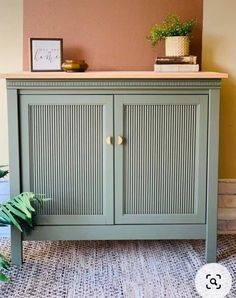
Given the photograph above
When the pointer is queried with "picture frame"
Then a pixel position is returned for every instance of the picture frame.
(46, 54)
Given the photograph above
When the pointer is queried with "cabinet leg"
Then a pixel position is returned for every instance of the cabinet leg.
(211, 248)
(16, 247)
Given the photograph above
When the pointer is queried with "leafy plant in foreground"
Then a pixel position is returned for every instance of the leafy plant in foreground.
(17, 212)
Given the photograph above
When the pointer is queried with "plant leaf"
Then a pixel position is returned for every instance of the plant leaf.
(3, 217)
(3, 173)
(11, 218)
(16, 211)
(5, 265)
(27, 197)
(4, 262)
(17, 202)
(4, 277)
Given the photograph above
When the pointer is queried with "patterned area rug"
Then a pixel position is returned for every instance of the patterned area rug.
(136, 269)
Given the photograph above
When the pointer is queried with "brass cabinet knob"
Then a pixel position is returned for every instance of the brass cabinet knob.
(109, 140)
(120, 140)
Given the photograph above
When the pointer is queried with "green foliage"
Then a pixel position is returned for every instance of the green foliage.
(5, 265)
(171, 26)
(17, 212)
(3, 173)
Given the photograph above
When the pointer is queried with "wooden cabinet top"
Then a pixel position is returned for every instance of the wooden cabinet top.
(26, 75)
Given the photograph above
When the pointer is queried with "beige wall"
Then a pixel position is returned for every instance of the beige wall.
(219, 54)
(11, 37)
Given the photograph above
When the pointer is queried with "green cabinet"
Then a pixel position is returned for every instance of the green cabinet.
(120, 158)
(160, 162)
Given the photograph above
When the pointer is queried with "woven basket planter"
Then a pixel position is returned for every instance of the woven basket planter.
(177, 46)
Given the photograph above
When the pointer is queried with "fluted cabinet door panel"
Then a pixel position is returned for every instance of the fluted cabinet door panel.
(68, 156)
(165, 140)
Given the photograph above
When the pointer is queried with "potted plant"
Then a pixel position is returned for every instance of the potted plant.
(176, 34)
(17, 212)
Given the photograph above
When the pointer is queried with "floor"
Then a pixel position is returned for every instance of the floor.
(130, 269)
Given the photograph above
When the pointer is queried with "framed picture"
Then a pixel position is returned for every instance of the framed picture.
(46, 54)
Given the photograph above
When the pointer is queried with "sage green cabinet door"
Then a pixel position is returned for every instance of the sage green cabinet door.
(65, 156)
(160, 169)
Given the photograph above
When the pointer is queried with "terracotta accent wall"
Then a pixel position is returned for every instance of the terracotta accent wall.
(108, 34)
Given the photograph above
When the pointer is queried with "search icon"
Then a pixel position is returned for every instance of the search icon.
(213, 281)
